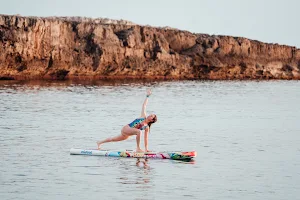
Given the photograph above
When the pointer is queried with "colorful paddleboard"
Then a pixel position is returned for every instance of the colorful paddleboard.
(176, 155)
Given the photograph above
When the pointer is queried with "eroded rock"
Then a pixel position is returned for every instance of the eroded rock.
(76, 47)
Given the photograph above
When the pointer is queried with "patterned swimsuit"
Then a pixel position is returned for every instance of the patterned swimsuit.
(138, 123)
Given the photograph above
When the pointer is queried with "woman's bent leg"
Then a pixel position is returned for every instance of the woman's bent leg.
(133, 131)
(112, 139)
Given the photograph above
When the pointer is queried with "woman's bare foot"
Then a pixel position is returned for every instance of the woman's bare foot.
(98, 145)
(139, 150)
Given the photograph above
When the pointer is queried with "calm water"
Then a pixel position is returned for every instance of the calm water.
(247, 135)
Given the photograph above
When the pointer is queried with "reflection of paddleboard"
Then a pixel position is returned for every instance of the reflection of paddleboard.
(175, 155)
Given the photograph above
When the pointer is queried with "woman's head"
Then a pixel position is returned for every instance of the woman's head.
(151, 119)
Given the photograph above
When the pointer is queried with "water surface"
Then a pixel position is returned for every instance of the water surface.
(246, 133)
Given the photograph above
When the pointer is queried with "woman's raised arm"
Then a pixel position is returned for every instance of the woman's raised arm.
(143, 114)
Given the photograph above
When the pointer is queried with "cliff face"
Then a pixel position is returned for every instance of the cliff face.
(62, 48)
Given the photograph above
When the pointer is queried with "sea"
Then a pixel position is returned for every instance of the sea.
(246, 134)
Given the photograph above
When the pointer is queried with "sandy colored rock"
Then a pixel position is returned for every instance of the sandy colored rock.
(85, 48)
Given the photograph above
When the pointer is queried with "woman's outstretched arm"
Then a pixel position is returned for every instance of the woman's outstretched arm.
(146, 139)
(143, 114)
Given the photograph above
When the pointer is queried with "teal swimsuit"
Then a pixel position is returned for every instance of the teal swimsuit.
(138, 123)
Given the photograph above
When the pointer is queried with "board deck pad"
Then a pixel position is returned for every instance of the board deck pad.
(174, 155)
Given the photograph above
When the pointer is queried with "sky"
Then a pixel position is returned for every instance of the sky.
(271, 21)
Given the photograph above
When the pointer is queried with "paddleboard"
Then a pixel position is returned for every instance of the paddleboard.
(174, 155)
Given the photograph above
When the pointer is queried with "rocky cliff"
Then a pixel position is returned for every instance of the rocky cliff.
(70, 48)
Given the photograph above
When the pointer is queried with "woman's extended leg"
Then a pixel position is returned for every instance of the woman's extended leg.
(112, 139)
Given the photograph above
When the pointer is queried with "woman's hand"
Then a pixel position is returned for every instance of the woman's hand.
(149, 92)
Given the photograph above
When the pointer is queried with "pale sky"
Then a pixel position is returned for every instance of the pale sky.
(272, 21)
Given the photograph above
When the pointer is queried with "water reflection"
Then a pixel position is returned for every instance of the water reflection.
(137, 176)
(141, 162)
(84, 83)
(143, 173)
(191, 162)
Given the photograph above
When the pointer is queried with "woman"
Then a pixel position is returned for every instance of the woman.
(135, 128)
